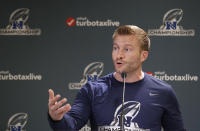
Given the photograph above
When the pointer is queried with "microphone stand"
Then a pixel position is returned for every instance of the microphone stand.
(123, 75)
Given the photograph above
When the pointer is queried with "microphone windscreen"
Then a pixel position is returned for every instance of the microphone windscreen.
(123, 75)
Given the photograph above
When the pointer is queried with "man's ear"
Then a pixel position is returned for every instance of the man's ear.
(144, 55)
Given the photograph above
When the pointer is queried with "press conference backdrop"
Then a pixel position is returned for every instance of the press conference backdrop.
(63, 44)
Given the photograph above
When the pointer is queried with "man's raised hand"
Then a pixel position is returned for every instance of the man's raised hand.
(56, 108)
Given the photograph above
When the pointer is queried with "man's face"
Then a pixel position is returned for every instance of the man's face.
(126, 54)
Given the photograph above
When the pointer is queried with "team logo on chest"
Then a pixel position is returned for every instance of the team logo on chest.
(130, 111)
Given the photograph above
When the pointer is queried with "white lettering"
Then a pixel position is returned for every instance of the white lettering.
(29, 76)
(175, 77)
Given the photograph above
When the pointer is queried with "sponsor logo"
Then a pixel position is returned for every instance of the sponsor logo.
(85, 22)
(91, 72)
(85, 128)
(150, 73)
(17, 24)
(162, 75)
(70, 21)
(171, 25)
(17, 122)
(6, 75)
(153, 94)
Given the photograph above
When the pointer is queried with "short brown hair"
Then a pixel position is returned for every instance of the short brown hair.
(134, 30)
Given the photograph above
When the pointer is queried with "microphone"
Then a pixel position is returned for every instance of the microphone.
(123, 75)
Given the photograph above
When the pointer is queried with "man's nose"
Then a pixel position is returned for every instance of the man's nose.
(120, 55)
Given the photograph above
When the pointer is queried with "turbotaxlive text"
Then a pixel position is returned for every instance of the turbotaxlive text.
(6, 75)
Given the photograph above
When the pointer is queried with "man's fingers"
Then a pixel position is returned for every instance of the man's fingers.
(54, 100)
(64, 109)
(51, 94)
(58, 104)
(56, 110)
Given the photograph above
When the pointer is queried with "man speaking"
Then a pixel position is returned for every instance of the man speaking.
(125, 100)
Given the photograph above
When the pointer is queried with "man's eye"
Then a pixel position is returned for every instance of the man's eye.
(114, 48)
(127, 49)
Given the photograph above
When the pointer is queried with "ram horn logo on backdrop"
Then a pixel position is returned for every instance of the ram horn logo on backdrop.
(171, 26)
(91, 72)
(17, 122)
(18, 24)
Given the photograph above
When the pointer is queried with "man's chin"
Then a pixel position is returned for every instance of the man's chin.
(119, 71)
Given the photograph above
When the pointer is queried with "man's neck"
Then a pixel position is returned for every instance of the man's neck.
(131, 77)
